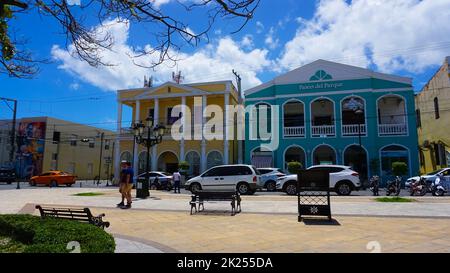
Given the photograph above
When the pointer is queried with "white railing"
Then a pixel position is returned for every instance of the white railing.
(294, 131)
(323, 131)
(352, 129)
(392, 129)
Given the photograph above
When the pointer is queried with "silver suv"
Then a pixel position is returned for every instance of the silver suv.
(243, 178)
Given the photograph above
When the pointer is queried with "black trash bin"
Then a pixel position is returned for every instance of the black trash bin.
(142, 188)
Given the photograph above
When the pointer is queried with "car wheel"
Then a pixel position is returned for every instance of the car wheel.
(68, 185)
(195, 187)
(343, 188)
(271, 186)
(53, 183)
(33, 183)
(291, 189)
(9, 183)
(153, 187)
(243, 188)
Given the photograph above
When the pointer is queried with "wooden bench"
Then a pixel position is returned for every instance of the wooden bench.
(201, 196)
(81, 215)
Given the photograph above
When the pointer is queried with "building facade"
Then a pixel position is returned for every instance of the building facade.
(159, 102)
(330, 113)
(76, 150)
(433, 121)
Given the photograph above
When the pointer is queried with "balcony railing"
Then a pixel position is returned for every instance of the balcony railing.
(392, 129)
(352, 130)
(323, 131)
(294, 131)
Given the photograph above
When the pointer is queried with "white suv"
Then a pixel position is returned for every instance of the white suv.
(243, 178)
(343, 180)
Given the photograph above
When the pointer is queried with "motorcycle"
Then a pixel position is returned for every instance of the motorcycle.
(393, 187)
(374, 185)
(437, 189)
(419, 187)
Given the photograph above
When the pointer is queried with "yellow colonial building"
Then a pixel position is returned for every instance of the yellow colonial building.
(194, 147)
(433, 121)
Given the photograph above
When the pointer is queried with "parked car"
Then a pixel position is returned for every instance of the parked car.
(269, 178)
(243, 178)
(430, 177)
(164, 181)
(343, 180)
(7, 175)
(53, 179)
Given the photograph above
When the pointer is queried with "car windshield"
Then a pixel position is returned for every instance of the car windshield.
(256, 170)
(435, 172)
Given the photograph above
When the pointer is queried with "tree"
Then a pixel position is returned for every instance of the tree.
(169, 33)
(294, 167)
(399, 168)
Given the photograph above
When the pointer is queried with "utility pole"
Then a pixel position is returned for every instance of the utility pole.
(102, 136)
(240, 102)
(13, 127)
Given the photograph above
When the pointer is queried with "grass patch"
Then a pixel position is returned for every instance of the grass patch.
(8, 245)
(31, 234)
(395, 199)
(89, 194)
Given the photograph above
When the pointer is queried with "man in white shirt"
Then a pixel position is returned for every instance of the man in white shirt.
(176, 176)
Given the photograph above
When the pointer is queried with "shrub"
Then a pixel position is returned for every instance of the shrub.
(53, 235)
(184, 165)
(399, 168)
(294, 167)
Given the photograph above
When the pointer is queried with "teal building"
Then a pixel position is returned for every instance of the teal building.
(331, 113)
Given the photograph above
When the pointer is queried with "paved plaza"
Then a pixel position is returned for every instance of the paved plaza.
(268, 222)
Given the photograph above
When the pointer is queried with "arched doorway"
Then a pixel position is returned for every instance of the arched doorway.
(168, 162)
(261, 158)
(356, 157)
(391, 154)
(194, 163)
(324, 155)
(214, 158)
(126, 156)
(142, 160)
(294, 153)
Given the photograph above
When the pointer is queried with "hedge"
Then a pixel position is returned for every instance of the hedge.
(53, 235)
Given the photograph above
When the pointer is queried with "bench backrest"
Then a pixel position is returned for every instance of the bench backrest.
(216, 194)
(82, 215)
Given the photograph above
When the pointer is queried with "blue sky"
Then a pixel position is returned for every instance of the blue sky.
(403, 37)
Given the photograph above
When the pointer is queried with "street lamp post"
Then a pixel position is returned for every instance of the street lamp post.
(359, 113)
(154, 137)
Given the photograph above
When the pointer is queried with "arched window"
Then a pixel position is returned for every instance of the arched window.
(194, 163)
(436, 108)
(213, 159)
(126, 156)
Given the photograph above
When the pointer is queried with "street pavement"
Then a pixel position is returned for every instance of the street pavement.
(268, 222)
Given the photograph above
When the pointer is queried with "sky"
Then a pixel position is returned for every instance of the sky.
(403, 37)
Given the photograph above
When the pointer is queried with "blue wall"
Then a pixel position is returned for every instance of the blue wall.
(279, 94)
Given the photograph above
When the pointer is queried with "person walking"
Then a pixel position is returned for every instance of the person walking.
(126, 184)
(176, 176)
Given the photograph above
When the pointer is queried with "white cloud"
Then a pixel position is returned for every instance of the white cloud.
(247, 41)
(392, 34)
(74, 86)
(213, 62)
(259, 27)
(271, 41)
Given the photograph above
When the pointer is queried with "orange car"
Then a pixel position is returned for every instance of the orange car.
(53, 179)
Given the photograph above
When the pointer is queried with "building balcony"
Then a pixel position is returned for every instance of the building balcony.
(353, 130)
(323, 131)
(294, 131)
(392, 129)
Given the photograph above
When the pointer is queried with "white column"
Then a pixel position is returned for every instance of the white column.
(117, 145)
(137, 118)
(226, 131)
(154, 148)
(183, 122)
(203, 144)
